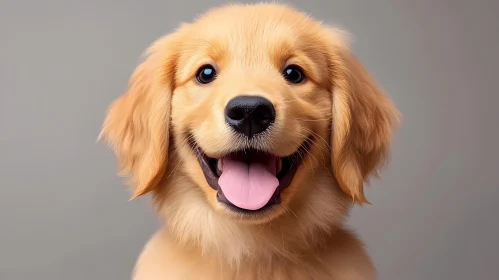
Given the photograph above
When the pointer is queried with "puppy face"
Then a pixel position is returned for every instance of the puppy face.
(249, 103)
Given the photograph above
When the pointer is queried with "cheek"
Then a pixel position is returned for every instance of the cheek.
(199, 110)
(308, 108)
(303, 113)
(190, 105)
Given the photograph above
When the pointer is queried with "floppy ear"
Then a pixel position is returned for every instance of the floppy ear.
(363, 120)
(137, 123)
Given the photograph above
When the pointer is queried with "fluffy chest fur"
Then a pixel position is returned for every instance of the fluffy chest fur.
(341, 257)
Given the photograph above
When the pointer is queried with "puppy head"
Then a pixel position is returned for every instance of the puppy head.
(251, 102)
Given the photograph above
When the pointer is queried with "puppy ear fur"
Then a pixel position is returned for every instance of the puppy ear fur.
(137, 123)
(363, 120)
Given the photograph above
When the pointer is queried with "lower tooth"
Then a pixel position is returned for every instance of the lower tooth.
(279, 166)
(220, 165)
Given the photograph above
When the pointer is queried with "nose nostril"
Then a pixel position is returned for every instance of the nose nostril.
(236, 114)
(249, 115)
(263, 113)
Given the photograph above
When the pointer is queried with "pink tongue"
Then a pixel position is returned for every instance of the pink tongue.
(249, 186)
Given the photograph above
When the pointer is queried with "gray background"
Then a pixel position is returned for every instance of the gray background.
(65, 215)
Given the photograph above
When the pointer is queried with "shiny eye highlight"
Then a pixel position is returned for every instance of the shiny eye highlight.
(206, 74)
(293, 74)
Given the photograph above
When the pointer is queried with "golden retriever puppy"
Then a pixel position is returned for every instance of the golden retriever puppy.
(254, 129)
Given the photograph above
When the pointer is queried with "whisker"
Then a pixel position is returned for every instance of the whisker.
(306, 150)
(287, 209)
(326, 143)
(174, 171)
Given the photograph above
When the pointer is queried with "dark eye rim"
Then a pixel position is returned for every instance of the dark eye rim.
(303, 77)
(199, 71)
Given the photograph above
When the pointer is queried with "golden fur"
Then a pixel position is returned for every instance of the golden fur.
(339, 104)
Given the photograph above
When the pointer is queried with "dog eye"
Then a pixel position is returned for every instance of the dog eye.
(206, 74)
(293, 74)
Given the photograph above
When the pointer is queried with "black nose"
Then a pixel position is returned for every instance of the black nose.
(249, 115)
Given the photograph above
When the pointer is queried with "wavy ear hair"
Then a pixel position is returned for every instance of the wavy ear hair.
(363, 120)
(137, 123)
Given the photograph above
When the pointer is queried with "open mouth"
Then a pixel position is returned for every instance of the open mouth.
(250, 180)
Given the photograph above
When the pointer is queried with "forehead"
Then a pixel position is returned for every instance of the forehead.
(253, 36)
